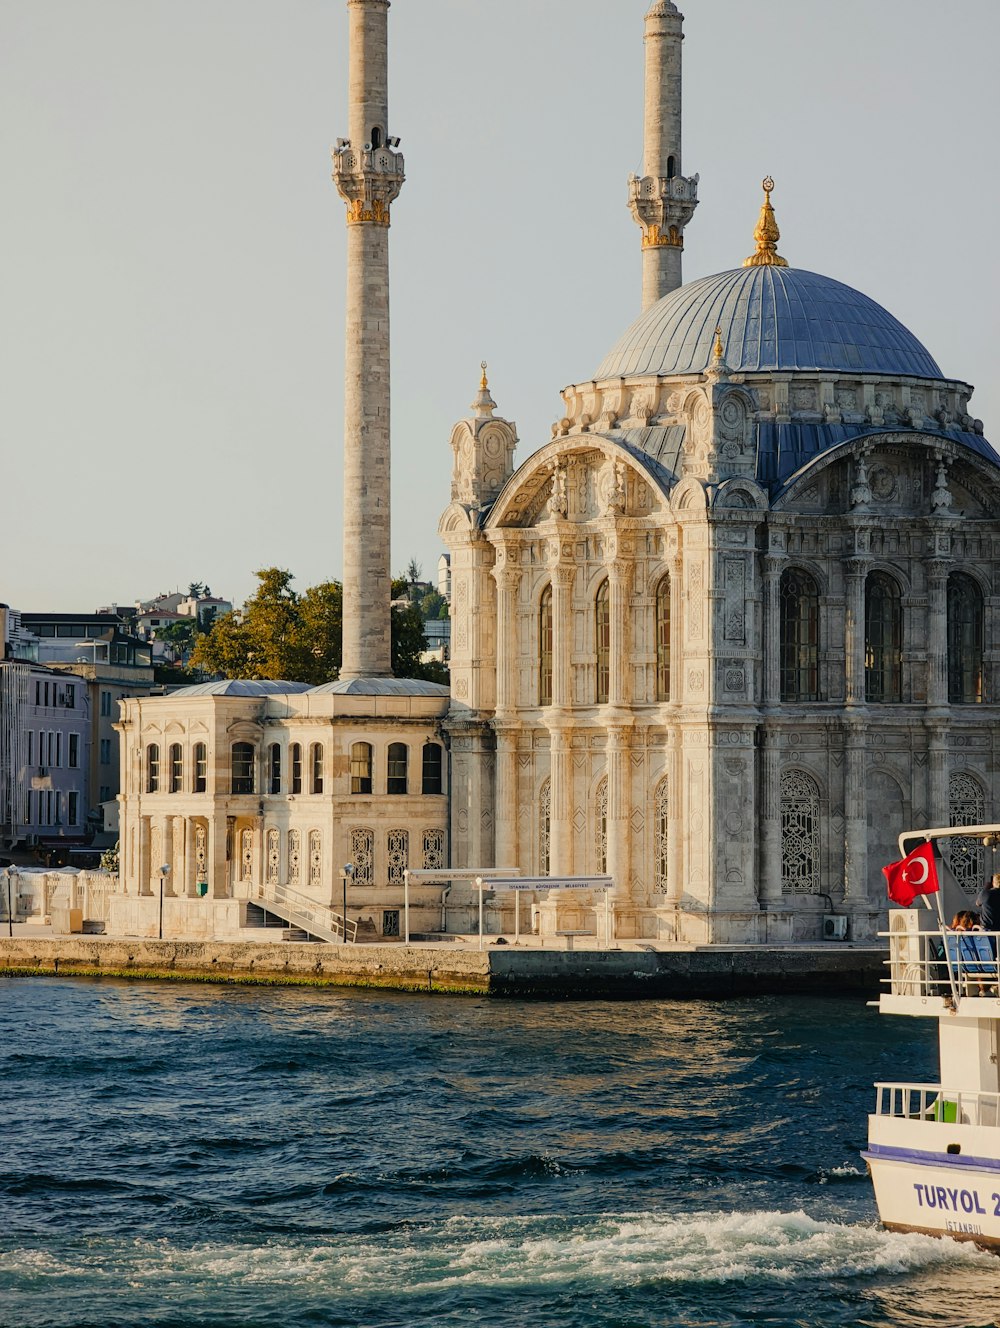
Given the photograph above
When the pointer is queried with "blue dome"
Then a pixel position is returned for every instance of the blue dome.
(772, 318)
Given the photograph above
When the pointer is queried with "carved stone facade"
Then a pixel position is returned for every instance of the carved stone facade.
(250, 789)
(808, 628)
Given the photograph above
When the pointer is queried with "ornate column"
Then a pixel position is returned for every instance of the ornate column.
(190, 858)
(561, 812)
(773, 563)
(508, 580)
(856, 570)
(506, 795)
(618, 807)
(937, 775)
(563, 576)
(619, 583)
(144, 849)
(937, 634)
(770, 793)
(856, 815)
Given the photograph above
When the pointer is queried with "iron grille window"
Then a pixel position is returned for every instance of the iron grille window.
(799, 834)
(883, 639)
(965, 640)
(799, 637)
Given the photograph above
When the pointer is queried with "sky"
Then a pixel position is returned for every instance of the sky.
(172, 290)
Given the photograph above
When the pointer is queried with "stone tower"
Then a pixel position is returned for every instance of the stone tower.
(368, 172)
(662, 200)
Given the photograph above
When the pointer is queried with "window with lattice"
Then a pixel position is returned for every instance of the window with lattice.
(246, 855)
(602, 633)
(397, 848)
(545, 647)
(294, 856)
(661, 843)
(601, 825)
(363, 856)
(799, 834)
(544, 827)
(273, 857)
(315, 858)
(966, 806)
(883, 639)
(798, 631)
(663, 640)
(433, 850)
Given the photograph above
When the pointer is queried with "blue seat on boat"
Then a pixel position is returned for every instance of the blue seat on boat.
(972, 953)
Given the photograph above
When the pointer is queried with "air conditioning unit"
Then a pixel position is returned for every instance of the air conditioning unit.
(834, 927)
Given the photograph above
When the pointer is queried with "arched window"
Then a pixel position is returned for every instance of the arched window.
(315, 856)
(316, 768)
(433, 850)
(376, 137)
(431, 781)
(663, 640)
(799, 834)
(965, 640)
(544, 827)
(361, 767)
(153, 768)
(602, 632)
(295, 767)
(274, 768)
(242, 767)
(601, 824)
(966, 806)
(176, 767)
(883, 639)
(395, 771)
(545, 647)
(294, 856)
(671, 167)
(661, 831)
(799, 636)
(200, 767)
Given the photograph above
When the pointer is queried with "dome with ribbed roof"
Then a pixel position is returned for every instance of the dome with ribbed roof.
(772, 319)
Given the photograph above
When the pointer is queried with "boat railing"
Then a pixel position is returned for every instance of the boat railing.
(937, 1102)
(949, 964)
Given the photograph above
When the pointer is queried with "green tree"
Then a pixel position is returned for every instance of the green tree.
(298, 638)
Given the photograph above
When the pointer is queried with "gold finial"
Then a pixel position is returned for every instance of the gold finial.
(718, 350)
(766, 234)
(483, 385)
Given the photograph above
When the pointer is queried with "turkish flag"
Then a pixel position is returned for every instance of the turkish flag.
(916, 874)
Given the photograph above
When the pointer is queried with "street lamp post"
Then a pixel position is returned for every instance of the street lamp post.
(345, 875)
(164, 873)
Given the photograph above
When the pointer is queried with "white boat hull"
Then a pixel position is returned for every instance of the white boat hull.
(930, 1193)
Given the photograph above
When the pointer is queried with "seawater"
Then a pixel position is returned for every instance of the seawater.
(182, 1155)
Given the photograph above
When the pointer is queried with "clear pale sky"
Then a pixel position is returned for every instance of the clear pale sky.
(171, 305)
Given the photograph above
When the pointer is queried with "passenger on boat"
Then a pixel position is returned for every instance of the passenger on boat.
(988, 903)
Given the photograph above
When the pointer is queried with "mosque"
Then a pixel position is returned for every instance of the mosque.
(721, 637)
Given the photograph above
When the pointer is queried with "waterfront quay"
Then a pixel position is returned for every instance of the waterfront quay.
(630, 971)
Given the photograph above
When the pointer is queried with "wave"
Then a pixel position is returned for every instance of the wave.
(516, 1253)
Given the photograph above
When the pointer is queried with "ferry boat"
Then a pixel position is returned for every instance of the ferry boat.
(934, 1149)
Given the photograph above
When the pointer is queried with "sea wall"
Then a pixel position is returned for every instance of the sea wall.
(696, 972)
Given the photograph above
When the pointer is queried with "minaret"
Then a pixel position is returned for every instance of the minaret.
(368, 172)
(662, 200)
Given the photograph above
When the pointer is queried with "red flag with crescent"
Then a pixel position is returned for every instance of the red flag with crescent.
(916, 874)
